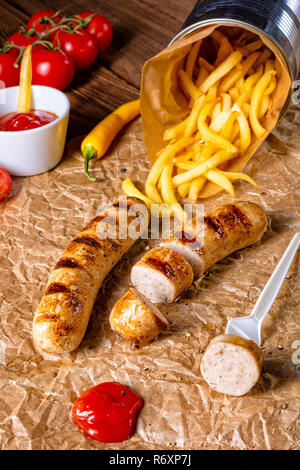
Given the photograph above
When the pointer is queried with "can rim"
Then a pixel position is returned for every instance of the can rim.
(201, 24)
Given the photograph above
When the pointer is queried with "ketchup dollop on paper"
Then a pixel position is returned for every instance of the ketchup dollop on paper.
(107, 412)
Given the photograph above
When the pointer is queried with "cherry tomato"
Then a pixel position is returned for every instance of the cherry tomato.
(52, 68)
(107, 412)
(5, 183)
(81, 46)
(100, 27)
(9, 74)
(40, 21)
(21, 39)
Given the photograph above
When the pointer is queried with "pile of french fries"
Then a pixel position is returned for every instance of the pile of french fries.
(228, 101)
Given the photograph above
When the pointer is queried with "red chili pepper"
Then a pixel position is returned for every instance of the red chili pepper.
(107, 412)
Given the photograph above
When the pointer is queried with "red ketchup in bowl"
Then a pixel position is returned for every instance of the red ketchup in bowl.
(107, 412)
(13, 122)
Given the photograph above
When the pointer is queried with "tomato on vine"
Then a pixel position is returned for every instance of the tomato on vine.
(43, 21)
(80, 45)
(9, 71)
(100, 27)
(52, 68)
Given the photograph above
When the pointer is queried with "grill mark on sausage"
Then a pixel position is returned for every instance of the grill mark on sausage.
(215, 224)
(67, 263)
(47, 317)
(189, 239)
(56, 287)
(63, 329)
(232, 217)
(88, 240)
(105, 218)
(100, 218)
(161, 266)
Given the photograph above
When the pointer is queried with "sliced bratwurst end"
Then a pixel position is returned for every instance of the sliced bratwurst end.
(185, 243)
(232, 365)
(62, 316)
(226, 229)
(136, 319)
(161, 275)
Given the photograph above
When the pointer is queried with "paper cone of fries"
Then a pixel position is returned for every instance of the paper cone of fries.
(208, 102)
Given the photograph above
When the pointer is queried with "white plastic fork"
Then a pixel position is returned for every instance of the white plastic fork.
(250, 327)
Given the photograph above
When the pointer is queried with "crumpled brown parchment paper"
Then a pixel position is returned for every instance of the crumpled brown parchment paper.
(180, 411)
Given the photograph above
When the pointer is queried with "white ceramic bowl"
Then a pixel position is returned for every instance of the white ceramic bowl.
(25, 153)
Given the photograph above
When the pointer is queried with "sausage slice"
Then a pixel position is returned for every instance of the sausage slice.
(136, 319)
(161, 275)
(232, 365)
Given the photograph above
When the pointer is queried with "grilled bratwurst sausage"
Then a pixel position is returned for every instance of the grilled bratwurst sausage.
(62, 317)
(226, 229)
(232, 365)
(161, 275)
(136, 319)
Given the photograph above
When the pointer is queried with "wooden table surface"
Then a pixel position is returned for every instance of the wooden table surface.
(142, 28)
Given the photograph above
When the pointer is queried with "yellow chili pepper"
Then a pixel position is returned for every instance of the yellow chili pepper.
(99, 139)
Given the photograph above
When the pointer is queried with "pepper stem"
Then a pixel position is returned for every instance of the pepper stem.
(89, 153)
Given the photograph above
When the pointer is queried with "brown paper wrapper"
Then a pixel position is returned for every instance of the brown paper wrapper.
(164, 106)
(180, 411)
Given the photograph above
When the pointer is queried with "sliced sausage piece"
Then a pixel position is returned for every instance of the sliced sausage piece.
(232, 365)
(161, 275)
(187, 245)
(62, 317)
(136, 319)
(226, 229)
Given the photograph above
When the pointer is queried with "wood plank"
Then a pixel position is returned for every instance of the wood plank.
(95, 96)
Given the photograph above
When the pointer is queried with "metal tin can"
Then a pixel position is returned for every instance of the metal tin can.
(277, 20)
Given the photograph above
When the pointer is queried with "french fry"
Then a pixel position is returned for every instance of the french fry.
(253, 79)
(226, 132)
(234, 93)
(255, 45)
(188, 86)
(168, 193)
(212, 162)
(250, 61)
(264, 106)
(203, 63)
(196, 187)
(256, 99)
(224, 50)
(221, 180)
(203, 74)
(183, 190)
(191, 59)
(210, 135)
(238, 176)
(131, 191)
(191, 125)
(226, 102)
(158, 166)
(224, 68)
(245, 131)
(218, 123)
(265, 55)
(24, 99)
(216, 111)
(230, 80)
(176, 131)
